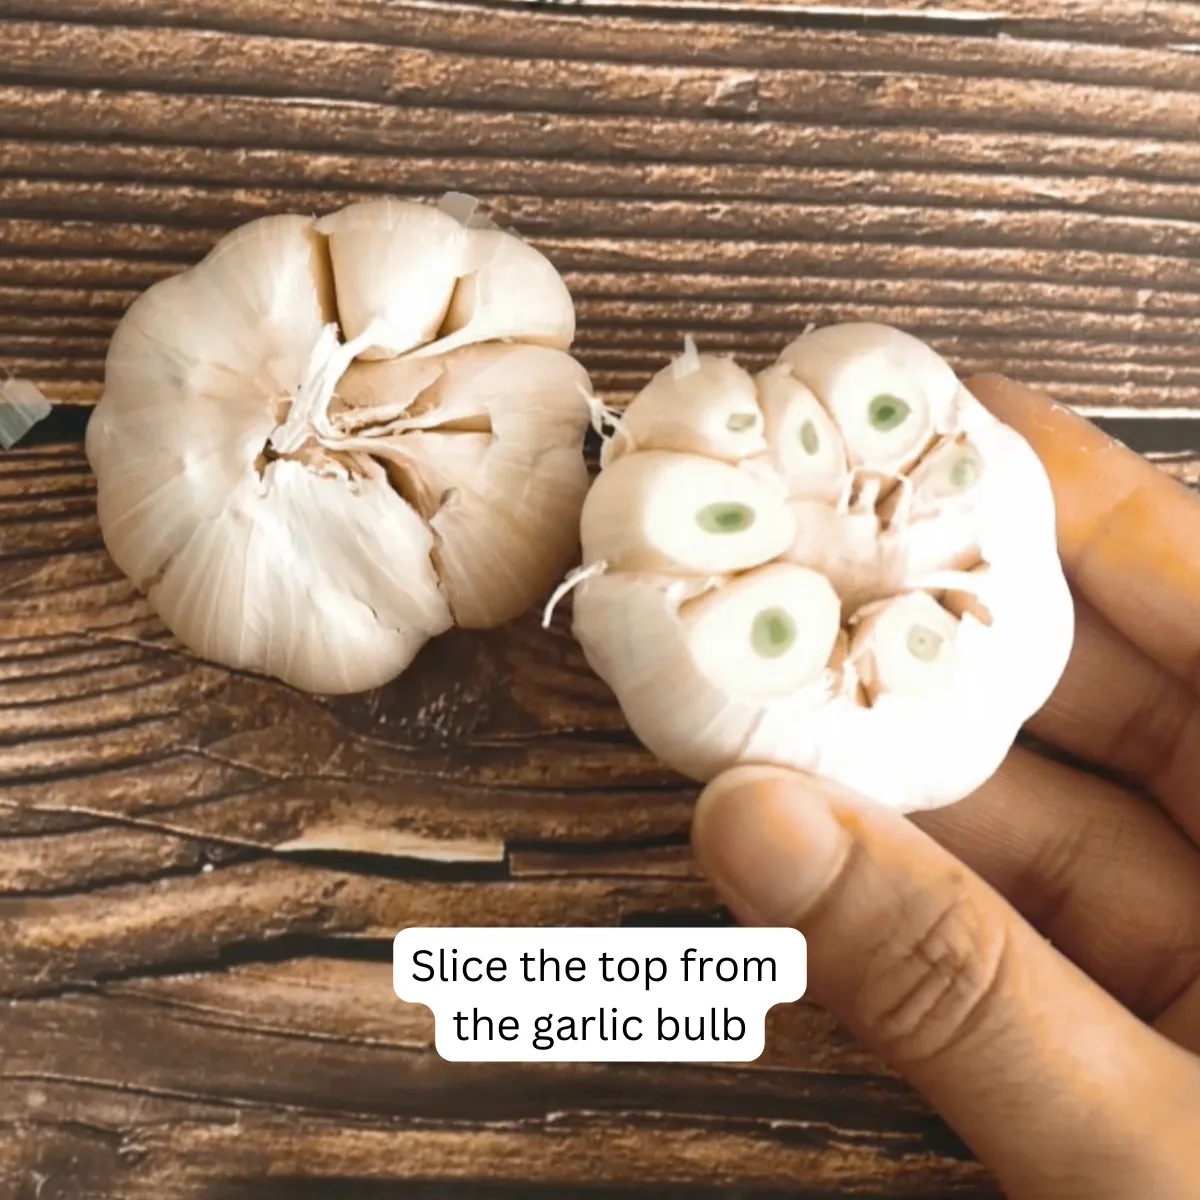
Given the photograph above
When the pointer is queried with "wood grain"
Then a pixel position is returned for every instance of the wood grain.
(1018, 188)
(201, 870)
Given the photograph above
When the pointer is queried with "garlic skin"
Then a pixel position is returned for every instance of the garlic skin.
(332, 439)
(929, 617)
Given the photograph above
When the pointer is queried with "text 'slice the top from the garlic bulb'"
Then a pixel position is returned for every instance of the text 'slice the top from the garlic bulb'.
(334, 438)
(844, 565)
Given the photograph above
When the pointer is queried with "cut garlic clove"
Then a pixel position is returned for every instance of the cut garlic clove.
(629, 629)
(805, 445)
(765, 634)
(906, 647)
(395, 264)
(933, 516)
(704, 406)
(949, 475)
(888, 392)
(659, 511)
(507, 290)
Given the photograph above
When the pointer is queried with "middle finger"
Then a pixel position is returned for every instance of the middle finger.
(1116, 708)
(1103, 873)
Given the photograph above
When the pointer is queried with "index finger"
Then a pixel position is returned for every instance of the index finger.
(1128, 533)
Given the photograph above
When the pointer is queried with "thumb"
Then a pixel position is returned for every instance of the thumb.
(1052, 1083)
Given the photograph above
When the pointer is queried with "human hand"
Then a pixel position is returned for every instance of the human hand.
(1070, 1066)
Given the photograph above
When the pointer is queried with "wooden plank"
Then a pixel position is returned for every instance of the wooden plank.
(982, 181)
(176, 1149)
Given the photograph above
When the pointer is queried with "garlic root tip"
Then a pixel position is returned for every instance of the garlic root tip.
(574, 579)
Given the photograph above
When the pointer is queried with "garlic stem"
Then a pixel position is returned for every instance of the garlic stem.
(329, 361)
(689, 361)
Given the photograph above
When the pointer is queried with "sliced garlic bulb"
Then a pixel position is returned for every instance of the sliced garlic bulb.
(889, 607)
(314, 452)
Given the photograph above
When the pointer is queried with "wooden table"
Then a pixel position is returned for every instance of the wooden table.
(202, 870)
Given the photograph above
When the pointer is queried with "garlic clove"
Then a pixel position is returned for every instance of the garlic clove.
(395, 264)
(151, 494)
(372, 396)
(197, 374)
(765, 634)
(630, 631)
(950, 474)
(655, 510)
(888, 392)
(490, 563)
(933, 516)
(806, 446)
(700, 403)
(327, 590)
(907, 646)
(507, 290)
(235, 332)
(492, 460)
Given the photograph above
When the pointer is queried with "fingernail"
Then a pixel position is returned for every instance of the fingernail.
(769, 842)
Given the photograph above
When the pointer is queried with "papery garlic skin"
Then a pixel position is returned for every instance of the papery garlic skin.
(938, 539)
(332, 439)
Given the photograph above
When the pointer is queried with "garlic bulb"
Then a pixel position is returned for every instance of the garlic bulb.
(874, 595)
(332, 439)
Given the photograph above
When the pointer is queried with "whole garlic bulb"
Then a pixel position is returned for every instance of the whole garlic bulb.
(845, 565)
(333, 438)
